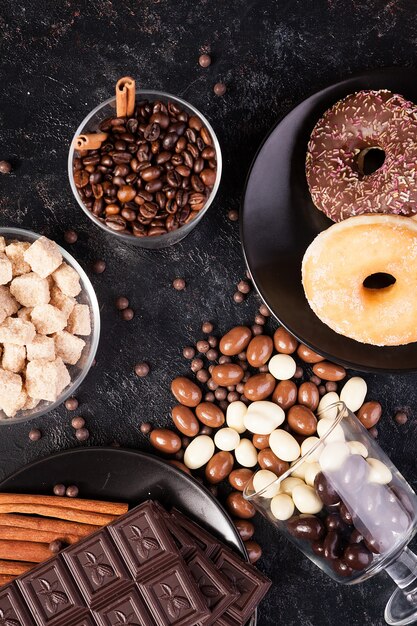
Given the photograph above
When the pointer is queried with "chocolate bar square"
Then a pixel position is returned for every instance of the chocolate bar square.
(12, 609)
(51, 595)
(173, 597)
(97, 568)
(143, 540)
(128, 610)
(197, 535)
(246, 580)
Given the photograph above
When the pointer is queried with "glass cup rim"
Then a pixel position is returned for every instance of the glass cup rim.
(156, 94)
(341, 407)
(95, 336)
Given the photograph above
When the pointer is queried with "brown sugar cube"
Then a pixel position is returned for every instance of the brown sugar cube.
(79, 320)
(46, 379)
(15, 251)
(43, 256)
(68, 347)
(48, 319)
(42, 347)
(24, 313)
(8, 303)
(61, 301)
(67, 280)
(30, 289)
(17, 331)
(6, 273)
(10, 392)
(3, 244)
(14, 357)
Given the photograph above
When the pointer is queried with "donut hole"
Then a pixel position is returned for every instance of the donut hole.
(369, 160)
(380, 280)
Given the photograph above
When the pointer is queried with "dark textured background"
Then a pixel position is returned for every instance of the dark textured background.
(58, 61)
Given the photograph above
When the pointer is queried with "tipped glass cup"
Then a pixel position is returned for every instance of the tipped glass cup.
(90, 125)
(79, 371)
(356, 515)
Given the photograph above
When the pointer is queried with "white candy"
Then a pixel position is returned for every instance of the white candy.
(262, 479)
(306, 500)
(226, 439)
(333, 456)
(353, 393)
(246, 454)
(235, 413)
(263, 417)
(199, 452)
(282, 506)
(307, 445)
(284, 445)
(300, 470)
(288, 484)
(323, 431)
(325, 410)
(379, 472)
(356, 447)
(311, 472)
(282, 366)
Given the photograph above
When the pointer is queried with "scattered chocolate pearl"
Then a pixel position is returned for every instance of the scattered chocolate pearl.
(257, 329)
(260, 319)
(223, 404)
(82, 434)
(322, 390)
(121, 303)
(59, 490)
(244, 399)
(233, 215)
(179, 284)
(401, 418)
(220, 393)
(211, 368)
(35, 434)
(373, 432)
(204, 60)
(242, 356)
(212, 354)
(298, 372)
(315, 379)
(263, 368)
(244, 365)
(240, 388)
(212, 385)
(205, 430)
(263, 310)
(55, 546)
(196, 365)
(231, 387)
(233, 396)
(5, 167)
(72, 491)
(78, 422)
(98, 266)
(209, 397)
(213, 341)
(188, 352)
(70, 236)
(202, 346)
(224, 359)
(71, 404)
(207, 327)
(142, 369)
(127, 314)
(145, 428)
(185, 442)
(246, 376)
(238, 297)
(219, 89)
(243, 286)
(202, 376)
(331, 386)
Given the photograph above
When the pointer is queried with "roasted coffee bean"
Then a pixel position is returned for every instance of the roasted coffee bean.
(357, 556)
(186, 392)
(208, 176)
(259, 386)
(268, 460)
(325, 491)
(245, 528)
(239, 507)
(165, 440)
(285, 394)
(308, 528)
(308, 395)
(369, 414)
(302, 420)
(115, 223)
(197, 183)
(219, 467)
(329, 371)
(185, 420)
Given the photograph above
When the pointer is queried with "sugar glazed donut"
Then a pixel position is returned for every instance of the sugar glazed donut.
(337, 148)
(342, 258)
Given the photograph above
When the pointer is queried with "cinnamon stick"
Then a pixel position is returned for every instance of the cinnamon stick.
(47, 525)
(41, 536)
(89, 141)
(125, 97)
(14, 568)
(85, 517)
(79, 504)
(5, 578)
(24, 551)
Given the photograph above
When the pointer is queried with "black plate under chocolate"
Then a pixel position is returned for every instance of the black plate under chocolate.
(279, 221)
(129, 476)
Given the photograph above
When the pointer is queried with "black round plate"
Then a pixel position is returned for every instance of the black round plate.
(279, 221)
(129, 476)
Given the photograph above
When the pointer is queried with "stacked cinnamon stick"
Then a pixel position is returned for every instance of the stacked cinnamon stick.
(30, 523)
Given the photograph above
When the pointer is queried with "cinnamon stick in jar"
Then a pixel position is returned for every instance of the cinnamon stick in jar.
(89, 141)
(125, 97)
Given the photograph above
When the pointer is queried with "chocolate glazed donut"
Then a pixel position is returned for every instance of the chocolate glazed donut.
(337, 150)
